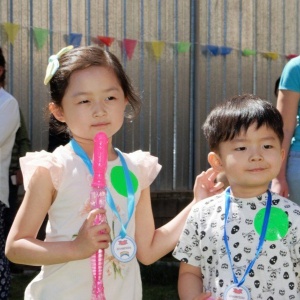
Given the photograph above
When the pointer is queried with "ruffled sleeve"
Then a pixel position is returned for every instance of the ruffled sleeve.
(148, 166)
(33, 160)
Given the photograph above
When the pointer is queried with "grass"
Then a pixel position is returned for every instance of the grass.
(159, 281)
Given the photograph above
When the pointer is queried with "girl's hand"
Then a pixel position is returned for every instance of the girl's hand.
(205, 185)
(91, 237)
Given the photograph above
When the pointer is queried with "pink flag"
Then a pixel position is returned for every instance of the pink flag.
(129, 46)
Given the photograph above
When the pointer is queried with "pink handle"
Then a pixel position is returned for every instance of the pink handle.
(98, 199)
(100, 159)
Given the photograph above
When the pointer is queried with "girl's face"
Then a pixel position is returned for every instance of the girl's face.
(94, 101)
(251, 160)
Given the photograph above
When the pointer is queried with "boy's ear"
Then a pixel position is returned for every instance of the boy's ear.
(215, 161)
(57, 112)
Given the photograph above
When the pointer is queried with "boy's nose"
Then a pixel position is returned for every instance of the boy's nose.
(256, 156)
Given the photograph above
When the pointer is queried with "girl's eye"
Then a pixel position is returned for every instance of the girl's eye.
(110, 98)
(268, 146)
(84, 101)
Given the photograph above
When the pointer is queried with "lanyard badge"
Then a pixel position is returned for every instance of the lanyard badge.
(238, 289)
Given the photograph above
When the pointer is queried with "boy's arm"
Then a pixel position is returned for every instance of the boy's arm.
(190, 285)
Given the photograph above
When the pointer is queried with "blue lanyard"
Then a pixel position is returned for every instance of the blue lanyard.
(261, 238)
(109, 199)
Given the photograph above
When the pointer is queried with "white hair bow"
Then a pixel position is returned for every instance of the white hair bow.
(53, 63)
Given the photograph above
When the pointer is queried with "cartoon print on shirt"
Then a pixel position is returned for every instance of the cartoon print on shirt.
(249, 236)
(243, 241)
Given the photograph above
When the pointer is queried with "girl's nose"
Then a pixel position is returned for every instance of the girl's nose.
(99, 109)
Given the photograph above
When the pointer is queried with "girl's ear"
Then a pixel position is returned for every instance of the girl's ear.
(215, 161)
(57, 112)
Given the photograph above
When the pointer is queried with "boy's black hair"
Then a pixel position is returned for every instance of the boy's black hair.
(237, 114)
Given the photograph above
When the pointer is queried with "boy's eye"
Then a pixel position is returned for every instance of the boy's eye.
(240, 148)
(268, 146)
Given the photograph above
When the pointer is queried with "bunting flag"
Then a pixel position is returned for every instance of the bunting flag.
(248, 52)
(210, 50)
(290, 56)
(106, 40)
(223, 50)
(183, 47)
(157, 48)
(129, 46)
(12, 31)
(271, 55)
(40, 36)
(75, 39)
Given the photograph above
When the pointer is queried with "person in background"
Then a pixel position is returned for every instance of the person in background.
(287, 182)
(9, 124)
(21, 147)
(245, 242)
(276, 87)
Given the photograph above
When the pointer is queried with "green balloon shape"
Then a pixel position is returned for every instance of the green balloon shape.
(277, 226)
(117, 178)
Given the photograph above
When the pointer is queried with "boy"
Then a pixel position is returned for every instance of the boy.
(245, 242)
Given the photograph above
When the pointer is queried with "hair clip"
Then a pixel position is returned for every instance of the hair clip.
(53, 63)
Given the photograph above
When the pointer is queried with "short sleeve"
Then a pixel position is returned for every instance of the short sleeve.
(187, 249)
(148, 166)
(290, 77)
(34, 160)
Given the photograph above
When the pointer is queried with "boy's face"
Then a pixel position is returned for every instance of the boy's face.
(250, 161)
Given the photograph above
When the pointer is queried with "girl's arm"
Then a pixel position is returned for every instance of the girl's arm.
(152, 244)
(22, 245)
(287, 104)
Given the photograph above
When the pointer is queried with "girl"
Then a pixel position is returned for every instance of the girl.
(90, 92)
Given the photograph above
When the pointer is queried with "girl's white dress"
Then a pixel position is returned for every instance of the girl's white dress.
(72, 180)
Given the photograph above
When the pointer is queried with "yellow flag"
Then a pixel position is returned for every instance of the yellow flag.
(12, 31)
(158, 47)
(271, 55)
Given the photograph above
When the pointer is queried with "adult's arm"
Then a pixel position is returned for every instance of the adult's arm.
(287, 104)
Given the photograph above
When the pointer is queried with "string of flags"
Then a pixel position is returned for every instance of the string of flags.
(41, 36)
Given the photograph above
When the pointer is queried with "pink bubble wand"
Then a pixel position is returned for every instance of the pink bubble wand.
(98, 200)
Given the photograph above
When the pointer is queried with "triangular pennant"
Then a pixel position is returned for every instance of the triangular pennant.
(12, 31)
(290, 56)
(271, 55)
(40, 36)
(223, 50)
(183, 47)
(129, 46)
(75, 39)
(248, 52)
(157, 47)
(210, 50)
(106, 40)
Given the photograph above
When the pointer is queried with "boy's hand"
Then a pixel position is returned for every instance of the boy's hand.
(205, 185)
(206, 296)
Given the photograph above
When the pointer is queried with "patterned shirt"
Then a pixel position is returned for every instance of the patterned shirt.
(276, 272)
